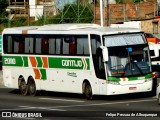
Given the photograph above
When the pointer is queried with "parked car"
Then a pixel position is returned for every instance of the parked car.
(151, 38)
(158, 94)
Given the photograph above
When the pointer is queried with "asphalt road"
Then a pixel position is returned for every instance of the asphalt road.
(51, 105)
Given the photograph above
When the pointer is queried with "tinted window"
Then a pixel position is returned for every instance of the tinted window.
(47, 44)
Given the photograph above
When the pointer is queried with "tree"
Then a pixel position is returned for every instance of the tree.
(73, 13)
(3, 6)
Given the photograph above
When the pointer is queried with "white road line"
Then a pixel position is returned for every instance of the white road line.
(62, 100)
(99, 104)
(42, 108)
(125, 102)
(38, 108)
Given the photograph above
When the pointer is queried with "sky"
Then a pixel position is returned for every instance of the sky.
(61, 3)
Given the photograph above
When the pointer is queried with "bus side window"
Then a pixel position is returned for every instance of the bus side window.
(82, 46)
(38, 45)
(100, 71)
(29, 44)
(52, 42)
(8, 44)
(72, 47)
(18, 44)
(65, 46)
(45, 46)
(21, 47)
(58, 46)
(69, 45)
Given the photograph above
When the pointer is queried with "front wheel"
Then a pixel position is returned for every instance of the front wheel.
(23, 87)
(88, 92)
(31, 87)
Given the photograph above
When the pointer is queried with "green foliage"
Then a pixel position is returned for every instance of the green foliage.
(73, 13)
(132, 1)
(40, 21)
(3, 13)
(119, 1)
(21, 21)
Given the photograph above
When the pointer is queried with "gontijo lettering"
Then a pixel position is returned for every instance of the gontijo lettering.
(74, 63)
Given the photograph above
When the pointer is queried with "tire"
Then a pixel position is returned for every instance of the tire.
(23, 87)
(32, 87)
(88, 91)
(158, 99)
(154, 87)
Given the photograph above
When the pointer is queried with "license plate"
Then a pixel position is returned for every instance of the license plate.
(132, 88)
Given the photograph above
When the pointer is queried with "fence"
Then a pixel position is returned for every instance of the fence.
(47, 12)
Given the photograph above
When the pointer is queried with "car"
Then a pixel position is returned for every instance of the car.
(158, 94)
(151, 38)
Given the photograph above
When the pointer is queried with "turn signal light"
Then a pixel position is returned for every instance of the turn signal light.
(153, 75)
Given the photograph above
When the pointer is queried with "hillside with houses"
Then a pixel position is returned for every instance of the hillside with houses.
(146, 11)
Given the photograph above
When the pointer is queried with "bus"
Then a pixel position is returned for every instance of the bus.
(85, 59)
(155, 59)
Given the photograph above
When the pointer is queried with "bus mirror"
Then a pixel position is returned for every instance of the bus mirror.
(104, 53)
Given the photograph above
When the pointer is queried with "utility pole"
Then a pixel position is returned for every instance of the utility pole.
(101, 13)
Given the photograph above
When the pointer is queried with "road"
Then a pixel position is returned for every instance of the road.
(60, 106)
(51, 105)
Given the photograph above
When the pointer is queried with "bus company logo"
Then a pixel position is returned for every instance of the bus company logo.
(9, 61)
(72, 63)
(6, 114)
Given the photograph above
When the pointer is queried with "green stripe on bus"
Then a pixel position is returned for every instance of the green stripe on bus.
(53, 62)
(12, 61)
(39, 61)
(43, 74)
(68, 63)
(25, 60)
(130, 78)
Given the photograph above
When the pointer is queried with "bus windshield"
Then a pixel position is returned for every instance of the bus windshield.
(128, 60)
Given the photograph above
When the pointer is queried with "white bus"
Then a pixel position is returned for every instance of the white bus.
(76, 58)
(155, 58)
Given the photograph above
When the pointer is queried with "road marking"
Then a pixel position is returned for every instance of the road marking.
(62, 100)
(126, 102)
(55, 108)
(42, 108)
(37, 108)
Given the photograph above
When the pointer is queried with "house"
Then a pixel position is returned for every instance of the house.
(146, 11)
(31, 8)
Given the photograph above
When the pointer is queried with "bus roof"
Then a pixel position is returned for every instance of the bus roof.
(84, 28)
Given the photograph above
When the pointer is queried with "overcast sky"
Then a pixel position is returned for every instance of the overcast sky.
(60, 3)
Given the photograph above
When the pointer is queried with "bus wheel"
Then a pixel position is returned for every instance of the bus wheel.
(88, 91)
(31, 87)
(23, 87)
(158, 99)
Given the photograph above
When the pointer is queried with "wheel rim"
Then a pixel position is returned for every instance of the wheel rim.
(23, 87)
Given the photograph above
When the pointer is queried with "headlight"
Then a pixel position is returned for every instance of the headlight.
(113, 82)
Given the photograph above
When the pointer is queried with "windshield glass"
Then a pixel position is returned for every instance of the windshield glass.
(128, 60)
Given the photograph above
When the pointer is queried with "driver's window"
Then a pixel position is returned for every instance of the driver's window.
(100, 70)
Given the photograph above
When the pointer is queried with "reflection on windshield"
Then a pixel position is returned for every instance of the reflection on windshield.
(124, 63)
